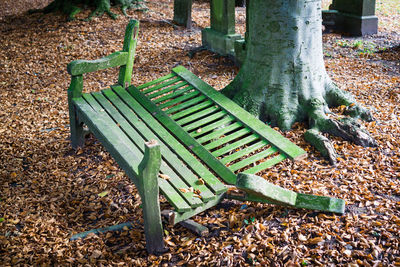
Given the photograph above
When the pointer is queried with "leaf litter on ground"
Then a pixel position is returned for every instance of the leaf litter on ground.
(50, 192)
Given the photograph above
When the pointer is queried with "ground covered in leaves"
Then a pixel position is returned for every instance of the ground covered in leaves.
(48, 191)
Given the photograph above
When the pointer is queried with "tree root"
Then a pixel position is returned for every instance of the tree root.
(322, 144)
(71, 9)
(348, 129)
(102, 6)
(336, 97)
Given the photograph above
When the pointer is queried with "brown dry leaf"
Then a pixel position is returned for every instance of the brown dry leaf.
(96, 254)
(164, 176)
(315, 240)
(302, 238)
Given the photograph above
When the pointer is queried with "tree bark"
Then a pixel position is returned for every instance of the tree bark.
(283, 79)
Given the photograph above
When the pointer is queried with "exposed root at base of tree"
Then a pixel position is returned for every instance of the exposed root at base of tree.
(348, 129)
(71, 9)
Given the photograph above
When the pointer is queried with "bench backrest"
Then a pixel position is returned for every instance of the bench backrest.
(124, 59)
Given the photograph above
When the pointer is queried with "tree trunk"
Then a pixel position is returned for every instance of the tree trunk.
(283, 79)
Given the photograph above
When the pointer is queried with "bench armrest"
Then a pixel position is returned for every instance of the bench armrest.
(79, 67)
(124, 58)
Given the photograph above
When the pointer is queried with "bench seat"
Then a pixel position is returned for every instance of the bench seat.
(124, 126)
(212, 126)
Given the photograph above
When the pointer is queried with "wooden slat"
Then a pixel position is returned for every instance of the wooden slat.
(196, 115)
(163, 78)
(227, 139)
(172, 196)
(187, 196)
(172, 95)
(161, 85)
(204, 121)
(253, 159)
(293, 151)
(266, 164)
(168, 156)
(219, 132)
(179, 99)
(243, 152)
(178, 217)
(166, 90)
(191, 110)
(197, 167)
(186, 104)
(210, 127)
(189, 141)
(120, 147)
(234, 145)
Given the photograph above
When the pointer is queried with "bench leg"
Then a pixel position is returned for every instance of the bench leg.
(148, 188)
(76, 130)
(76, 127)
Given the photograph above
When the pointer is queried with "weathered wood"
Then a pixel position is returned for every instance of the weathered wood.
(266, 164)
(189, 141)
(227, 139)
(186, 104)
(193, 226)
(243, 152)
(179, 99)
(176, 93)
(116, 143)
(76, 127)
(223, 122)
(180, 115)
(161, 85)
(79, 67)
(191, 110)
(294, 152)
(196, 166)
(178, 217)
(162, 89)
(170, 159)
(204, 121)
(197, 115)
(130, 41)
(234, 145)
(219, 132)
(148, 189)
(179, 174)
(163, 78)
(171, 194)
(259, 189)
(118, 227)
(250, 160)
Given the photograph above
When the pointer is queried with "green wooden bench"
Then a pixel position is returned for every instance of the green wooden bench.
(179, 136)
